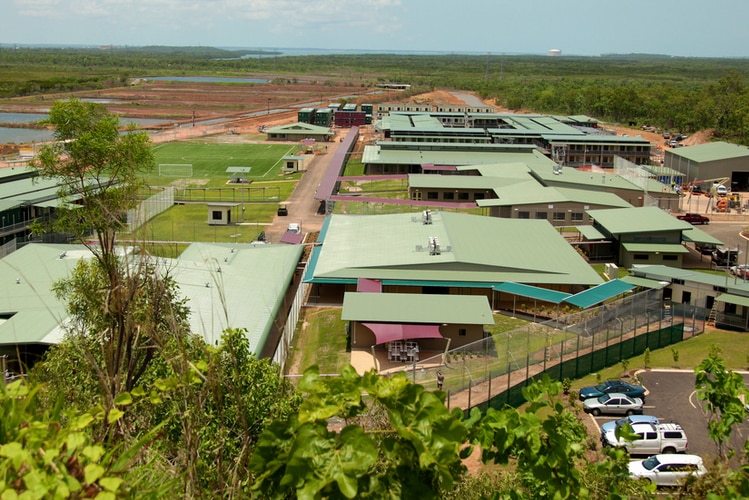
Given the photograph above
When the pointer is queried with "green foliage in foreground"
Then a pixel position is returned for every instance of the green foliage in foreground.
(417, 451)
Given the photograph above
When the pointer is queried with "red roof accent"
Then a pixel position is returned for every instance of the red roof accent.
(368, 285)
(390, 332)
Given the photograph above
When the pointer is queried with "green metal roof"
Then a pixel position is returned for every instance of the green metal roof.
(645, 283)
(417, 308)
(733, 299)
(473, 249)
(375, 154)
(299, 129)
(637, 220)
(532, 292)
(711, 151)
(669, 248)
(238, 295)
(34, 315)
(598, 294)
(695, 235)
(572, 177)
(711, 280)
(246, 293)
(590, 233)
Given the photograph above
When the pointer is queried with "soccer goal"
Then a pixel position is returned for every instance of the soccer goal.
(182, 170)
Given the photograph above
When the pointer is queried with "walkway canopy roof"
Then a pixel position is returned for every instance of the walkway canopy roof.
(598, 294)
(733, 299)
(695, 235)
(532, 292)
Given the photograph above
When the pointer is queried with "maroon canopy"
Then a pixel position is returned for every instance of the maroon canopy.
(389, 332)
(368, 285)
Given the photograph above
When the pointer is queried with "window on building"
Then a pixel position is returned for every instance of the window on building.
(542, 215)
(522, 214)
(478, 196)
(216, 215)
(449, 195)
(462, 332)
(463, 196)
(576, 216)
(640, 256)
(559, 216)
(432, 195)
(670, 257)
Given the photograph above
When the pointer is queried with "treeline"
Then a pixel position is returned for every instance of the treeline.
(681, 94)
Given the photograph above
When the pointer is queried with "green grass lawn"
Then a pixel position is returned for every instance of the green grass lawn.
(734, 348)
(322, 342)
(210, 161)
(189, 223)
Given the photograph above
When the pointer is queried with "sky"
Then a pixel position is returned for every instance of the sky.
(691, 28)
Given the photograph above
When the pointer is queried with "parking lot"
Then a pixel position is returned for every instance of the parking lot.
(672, 398)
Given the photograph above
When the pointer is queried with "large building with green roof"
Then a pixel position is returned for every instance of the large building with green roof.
(641, 235)
(225, 285)
(442, 253)
(714, 160)
(570, 141)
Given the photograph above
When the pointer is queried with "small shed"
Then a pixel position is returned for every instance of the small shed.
(219, 214)
(293, 163)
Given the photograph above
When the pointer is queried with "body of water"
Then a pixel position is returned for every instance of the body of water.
(22, 117)
(23, 135)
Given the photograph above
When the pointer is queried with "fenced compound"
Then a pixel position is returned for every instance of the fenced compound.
(493, 371)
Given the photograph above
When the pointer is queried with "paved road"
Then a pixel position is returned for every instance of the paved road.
(303, 208)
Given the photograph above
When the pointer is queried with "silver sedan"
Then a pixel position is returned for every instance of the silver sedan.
(613, 404)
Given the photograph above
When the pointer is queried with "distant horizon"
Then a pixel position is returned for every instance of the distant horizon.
(690, 28)
(303, 51)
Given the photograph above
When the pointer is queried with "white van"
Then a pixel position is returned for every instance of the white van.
(294, 228)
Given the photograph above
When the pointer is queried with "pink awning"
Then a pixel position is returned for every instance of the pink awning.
(390, 332)
(368, 285)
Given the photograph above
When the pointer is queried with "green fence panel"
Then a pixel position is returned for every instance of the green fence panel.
(592, 362)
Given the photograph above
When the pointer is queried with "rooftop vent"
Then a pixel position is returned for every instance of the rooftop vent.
(434, 246)
(426, 217)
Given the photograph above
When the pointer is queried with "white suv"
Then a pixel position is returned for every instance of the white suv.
(652, 439)
(667, 470)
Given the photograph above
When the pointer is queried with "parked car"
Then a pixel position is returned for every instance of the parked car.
(651, 439)
(705, 248)
(283, 210)
(694, 218)
(667, 470)
(725, 257)
(609, 386)
(739, 270)
(613, 404)
(632, 420)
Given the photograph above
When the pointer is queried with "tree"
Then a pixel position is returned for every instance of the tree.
(721, 389)
(123, 303)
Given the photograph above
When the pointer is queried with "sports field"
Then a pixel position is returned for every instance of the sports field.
(198, 160)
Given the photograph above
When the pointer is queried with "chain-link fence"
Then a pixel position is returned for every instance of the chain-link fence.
(149, 208)
(493, 371)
